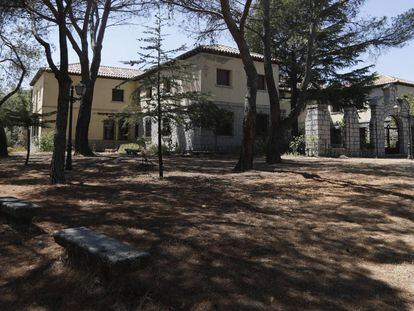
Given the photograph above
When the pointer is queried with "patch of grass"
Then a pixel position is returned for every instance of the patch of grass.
(122, 148)
(16, 149)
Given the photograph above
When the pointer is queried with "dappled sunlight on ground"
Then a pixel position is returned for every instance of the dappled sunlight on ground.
(332, 234)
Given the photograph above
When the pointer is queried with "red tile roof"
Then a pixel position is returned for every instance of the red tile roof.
(104, 72)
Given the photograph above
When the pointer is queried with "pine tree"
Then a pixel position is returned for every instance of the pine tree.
(169, 77)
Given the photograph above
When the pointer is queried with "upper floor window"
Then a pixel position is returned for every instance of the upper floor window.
(117, 95)
(167, 87)
(261, 83)
(148, 92)
(223, 77)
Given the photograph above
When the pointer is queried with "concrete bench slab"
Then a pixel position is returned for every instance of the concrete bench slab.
(8, 199)
(105, 252)
(18, 210)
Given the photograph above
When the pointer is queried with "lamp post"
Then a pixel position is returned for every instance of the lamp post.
(80, 91)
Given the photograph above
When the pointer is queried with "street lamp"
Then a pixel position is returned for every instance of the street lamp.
(80, 90)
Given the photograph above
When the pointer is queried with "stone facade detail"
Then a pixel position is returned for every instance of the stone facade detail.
(351, 132)
(318, 134)
(319, 121)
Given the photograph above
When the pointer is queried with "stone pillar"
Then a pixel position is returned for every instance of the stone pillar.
(351, 132)
(317, 128)
(376, 129)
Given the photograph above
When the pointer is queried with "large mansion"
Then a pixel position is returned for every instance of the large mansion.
(216, 70)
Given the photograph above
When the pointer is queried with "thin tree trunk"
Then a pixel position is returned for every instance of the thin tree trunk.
(28, 146)
(3, 142)
(57, 169)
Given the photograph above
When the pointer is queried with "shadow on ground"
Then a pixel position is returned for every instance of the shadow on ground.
(299, 236)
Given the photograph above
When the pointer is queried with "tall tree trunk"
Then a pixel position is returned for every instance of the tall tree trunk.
(89, 75)
(57, 168)
(28, 146)
(249, 121)
(294, 94)
(273, 150)
(84, 119)
(249, 127)
(3, 142)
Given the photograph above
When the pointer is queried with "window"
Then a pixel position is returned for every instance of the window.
(148, 92)
(336, 137)
(136, 130)
(335, 108)
(226, 126)
(261, 83)
(167, 86)
(148, 127)
(223, 77)
(262, 124)
(109, 129)
(166, 127)
(117, 95)
(123, 130)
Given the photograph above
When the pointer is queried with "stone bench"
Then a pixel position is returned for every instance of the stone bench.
(109, 256)
(18, 210)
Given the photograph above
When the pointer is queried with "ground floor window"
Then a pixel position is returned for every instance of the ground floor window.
(123, 130)
(136, 130)
(148, 127)
(166, 127)
(109, 130)
(262, 124)
(225, 128)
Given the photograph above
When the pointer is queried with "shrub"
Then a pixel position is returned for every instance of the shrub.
(45, 143)
(297, 145)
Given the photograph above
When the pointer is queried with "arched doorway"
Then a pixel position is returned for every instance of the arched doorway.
(392, 142)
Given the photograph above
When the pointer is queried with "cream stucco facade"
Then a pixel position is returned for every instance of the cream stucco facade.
(205, 65)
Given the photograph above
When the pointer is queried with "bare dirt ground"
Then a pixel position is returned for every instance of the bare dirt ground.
(310, 234)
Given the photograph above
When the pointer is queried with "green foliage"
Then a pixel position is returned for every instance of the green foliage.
(410, 101)
(45, 143)
(297, 145)
(207, 115)
(18, 112)
(334, 38)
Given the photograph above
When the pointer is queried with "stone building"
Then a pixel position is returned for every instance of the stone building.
(381, 129)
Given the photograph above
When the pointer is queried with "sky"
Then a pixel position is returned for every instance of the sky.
(121, 43)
